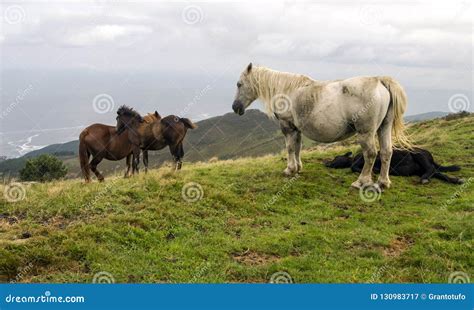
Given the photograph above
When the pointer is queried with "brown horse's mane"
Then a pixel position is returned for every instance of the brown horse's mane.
(128, 111)
(150, 118)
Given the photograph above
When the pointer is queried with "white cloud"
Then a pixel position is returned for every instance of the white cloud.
(105, 33)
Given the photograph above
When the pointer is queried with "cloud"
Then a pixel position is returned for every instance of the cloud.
(106, 34)
(405, 34)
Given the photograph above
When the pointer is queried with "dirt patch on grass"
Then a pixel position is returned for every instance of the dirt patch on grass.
(7, 220)
(252, 258)
(398, 246)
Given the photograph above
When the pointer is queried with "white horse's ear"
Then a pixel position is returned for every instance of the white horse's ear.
(157, 115)
(249, 68)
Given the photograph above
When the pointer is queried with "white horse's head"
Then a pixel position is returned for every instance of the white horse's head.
(246, 92)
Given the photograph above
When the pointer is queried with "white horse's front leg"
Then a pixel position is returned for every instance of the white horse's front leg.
(291, 138)
(292, 165)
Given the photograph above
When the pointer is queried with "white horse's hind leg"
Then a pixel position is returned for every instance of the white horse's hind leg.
(369, 150)
(385, 140)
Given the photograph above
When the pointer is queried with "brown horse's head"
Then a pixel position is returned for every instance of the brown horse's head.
(127, 118)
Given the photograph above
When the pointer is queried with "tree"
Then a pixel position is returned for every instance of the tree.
(43, 168)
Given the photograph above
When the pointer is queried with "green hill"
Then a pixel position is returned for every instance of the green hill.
(248, 222)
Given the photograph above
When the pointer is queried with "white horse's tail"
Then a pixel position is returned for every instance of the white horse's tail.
(398, 101)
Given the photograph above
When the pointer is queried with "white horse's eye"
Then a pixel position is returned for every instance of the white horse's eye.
(239, 84)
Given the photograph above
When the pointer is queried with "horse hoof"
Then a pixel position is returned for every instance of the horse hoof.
(357, 184)
(383, 185)
(425, 181)
(461, 181)
(377, 187)
(288, 172)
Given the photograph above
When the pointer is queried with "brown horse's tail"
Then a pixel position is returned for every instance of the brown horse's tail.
(84, 156)
(188, 123)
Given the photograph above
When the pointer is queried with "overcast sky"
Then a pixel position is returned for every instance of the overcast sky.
(67, 64)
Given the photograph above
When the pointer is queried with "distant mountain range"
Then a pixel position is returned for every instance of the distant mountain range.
(225, 137)
(425, 116)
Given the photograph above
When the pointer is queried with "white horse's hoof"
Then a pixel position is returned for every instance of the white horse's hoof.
(360, 184)
(299, 167)
(357, 184)
(383, 184)
(288, 172)
(377, 187)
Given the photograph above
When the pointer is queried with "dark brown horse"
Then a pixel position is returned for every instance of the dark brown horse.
(102, 141)
(153, 133)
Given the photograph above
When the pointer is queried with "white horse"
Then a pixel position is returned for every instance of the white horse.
(330, 111)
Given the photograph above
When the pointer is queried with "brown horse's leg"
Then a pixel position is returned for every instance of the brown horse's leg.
(95, 161)
(181, 155)
(129, 159)
(145, 160)
(136, 160)
(176, 152)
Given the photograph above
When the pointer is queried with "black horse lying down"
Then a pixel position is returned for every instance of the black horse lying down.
(404, 163)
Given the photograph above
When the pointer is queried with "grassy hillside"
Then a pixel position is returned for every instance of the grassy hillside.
(249, 223)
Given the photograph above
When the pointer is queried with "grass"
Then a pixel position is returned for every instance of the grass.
(317, 229)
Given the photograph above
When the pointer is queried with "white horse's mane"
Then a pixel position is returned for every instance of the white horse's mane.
(270, 83)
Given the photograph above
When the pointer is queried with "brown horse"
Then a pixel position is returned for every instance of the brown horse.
(102, 141)
(153, 133)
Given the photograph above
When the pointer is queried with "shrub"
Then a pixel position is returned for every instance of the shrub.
(453, 116)
(43, 168)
